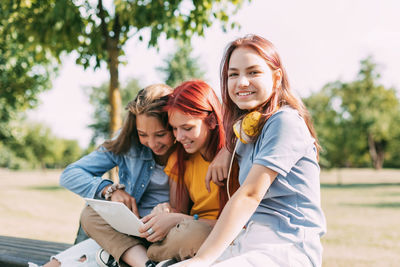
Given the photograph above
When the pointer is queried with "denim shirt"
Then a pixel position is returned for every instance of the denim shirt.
(84, 177)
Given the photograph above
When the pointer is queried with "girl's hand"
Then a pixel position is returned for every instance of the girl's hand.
(161, 208)
(160, 224)
(219, 168)
(121, 196)
(193, 262)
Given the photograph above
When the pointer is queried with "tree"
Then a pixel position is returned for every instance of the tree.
(328, 128)
(25, 71)
(341, 143)
(372, 108)
(392, 153)
(97, 32)
(181, 66)
(99, 99)
(356, 120)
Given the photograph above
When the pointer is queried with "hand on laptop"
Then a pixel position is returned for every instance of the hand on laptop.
(160, 224)
(128, 200)
(162, 207)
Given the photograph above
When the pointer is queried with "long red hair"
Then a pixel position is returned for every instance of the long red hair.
(199, 100)
(281, 95)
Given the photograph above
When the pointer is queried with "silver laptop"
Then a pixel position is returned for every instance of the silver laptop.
(117, 215)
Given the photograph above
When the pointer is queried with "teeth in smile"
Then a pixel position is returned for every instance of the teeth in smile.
(244, 94)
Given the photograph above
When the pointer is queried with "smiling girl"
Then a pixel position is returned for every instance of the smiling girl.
(275, 217)
(194, 113)
(140, 150)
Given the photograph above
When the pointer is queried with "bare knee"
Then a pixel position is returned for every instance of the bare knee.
(53, 263)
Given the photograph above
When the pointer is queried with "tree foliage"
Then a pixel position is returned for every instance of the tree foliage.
(98, 97)
(178, 66)
(97, 31)
(25, 70)
(181, 65)
(356, 121)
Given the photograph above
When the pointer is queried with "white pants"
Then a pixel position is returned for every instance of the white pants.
(70, 257)
(258, 245)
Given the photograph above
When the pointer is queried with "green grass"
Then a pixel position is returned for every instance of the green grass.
(362, 207)
(363, 216)
(33, 205)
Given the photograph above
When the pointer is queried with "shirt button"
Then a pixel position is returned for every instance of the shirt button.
(151, 167)
(142, 185)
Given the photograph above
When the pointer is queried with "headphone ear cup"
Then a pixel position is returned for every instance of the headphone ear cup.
(247, 128)
(237, 129)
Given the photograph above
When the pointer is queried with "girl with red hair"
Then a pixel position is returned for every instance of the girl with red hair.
(194, 113)
(275, 217)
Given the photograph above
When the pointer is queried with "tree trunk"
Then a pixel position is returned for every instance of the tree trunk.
(376, 151)
(113, 50)
(114, 93)
(114, 98)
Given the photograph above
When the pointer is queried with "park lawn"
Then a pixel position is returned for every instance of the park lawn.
(363, 217)
(33, 205)
(363, 213)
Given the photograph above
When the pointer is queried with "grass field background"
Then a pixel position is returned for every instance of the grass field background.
(362, 207)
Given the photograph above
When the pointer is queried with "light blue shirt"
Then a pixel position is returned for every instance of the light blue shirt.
(84, 177)
(157, 191)
(292, 204)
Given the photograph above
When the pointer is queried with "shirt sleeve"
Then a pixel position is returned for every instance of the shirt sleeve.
(100, 188)
(284, 140)
(84, 176)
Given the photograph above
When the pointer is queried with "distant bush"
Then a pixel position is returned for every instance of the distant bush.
(9, 160)
(32, 145)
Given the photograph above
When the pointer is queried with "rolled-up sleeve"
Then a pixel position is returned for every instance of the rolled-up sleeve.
(84, 176)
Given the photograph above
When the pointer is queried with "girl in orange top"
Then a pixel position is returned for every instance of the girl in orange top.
(194, 113)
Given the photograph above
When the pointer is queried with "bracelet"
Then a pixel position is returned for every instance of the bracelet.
(110, 190)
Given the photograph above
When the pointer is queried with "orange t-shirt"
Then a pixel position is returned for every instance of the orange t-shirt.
(205, 204)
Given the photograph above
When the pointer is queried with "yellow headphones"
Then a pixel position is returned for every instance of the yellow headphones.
(247, 128)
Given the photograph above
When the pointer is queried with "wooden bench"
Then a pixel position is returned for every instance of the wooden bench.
(16, 251)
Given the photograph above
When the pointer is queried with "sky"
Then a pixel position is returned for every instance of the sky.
(319, 41)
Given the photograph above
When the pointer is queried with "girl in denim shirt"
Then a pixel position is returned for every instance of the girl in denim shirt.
(140, 150)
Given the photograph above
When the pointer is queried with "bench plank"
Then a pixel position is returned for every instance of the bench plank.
(15, 251)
